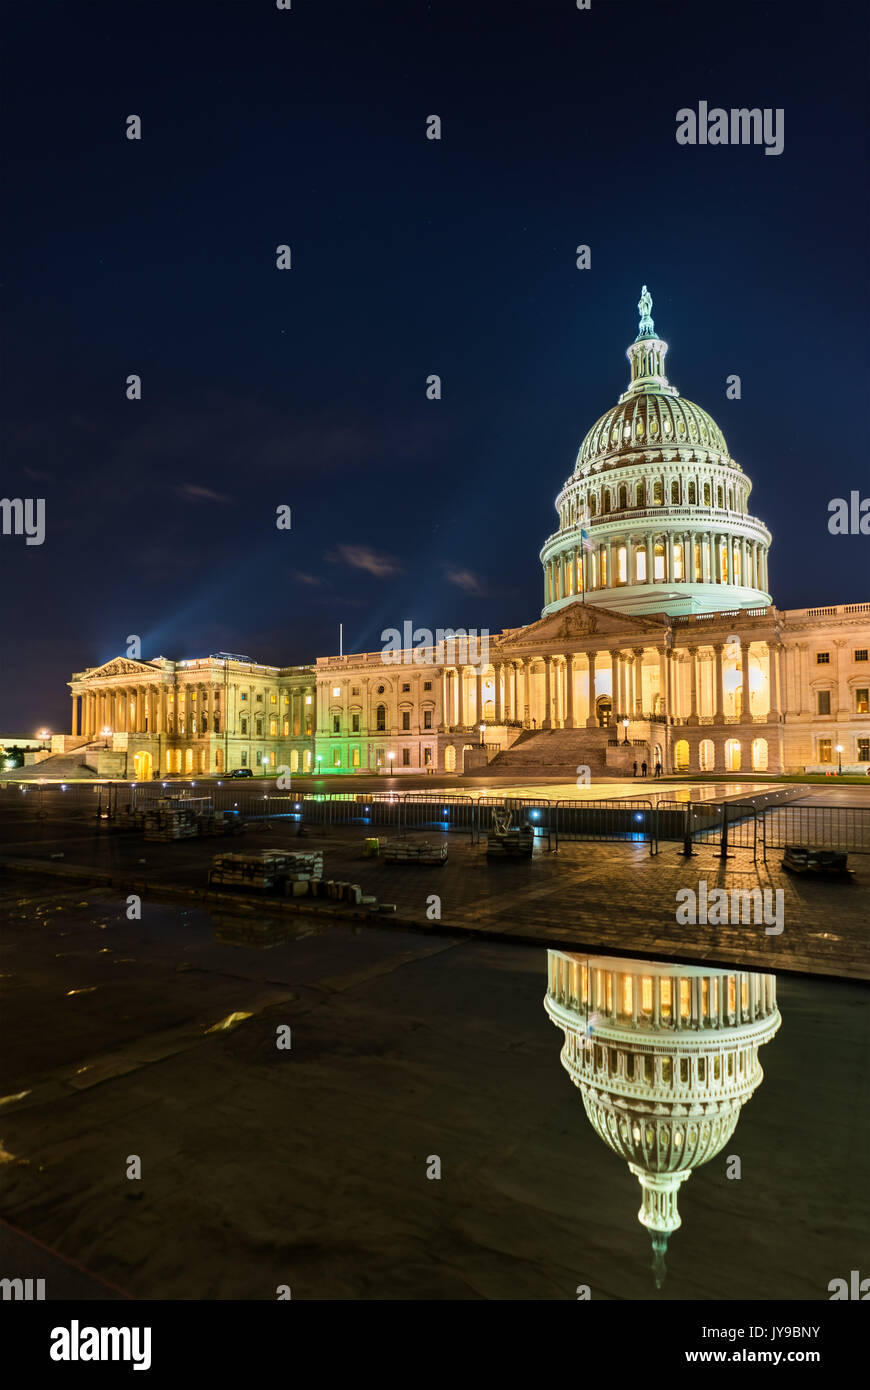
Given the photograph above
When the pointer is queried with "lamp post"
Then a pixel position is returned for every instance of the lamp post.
(44, 734)
(391, 755)
(839, 759)
(107, 734)
(319, 760)
(625, 731)
(482, 732)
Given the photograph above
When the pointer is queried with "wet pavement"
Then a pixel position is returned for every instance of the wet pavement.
(307, 1165)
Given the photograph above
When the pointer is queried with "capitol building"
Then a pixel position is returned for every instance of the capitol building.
(659, 640)
(665, 1056)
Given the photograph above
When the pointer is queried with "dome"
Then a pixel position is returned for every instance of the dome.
(649, 420)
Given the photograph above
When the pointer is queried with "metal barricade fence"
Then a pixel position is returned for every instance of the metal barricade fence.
(620, 819)
(817, 827)
(536, 811)
(450, 812)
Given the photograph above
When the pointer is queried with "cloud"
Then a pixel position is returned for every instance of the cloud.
(464, 579)
(204, 494)
(360, 557)
(307, 578)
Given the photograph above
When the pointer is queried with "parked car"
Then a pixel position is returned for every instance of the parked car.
(242, 772)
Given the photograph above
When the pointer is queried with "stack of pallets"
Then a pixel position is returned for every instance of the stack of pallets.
(170, 823)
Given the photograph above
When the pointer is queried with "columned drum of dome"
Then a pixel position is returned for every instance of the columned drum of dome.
(665, 1056)
(655, 516)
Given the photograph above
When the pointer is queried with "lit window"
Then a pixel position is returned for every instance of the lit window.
(308, 699)
(336, 690)
(861, 704)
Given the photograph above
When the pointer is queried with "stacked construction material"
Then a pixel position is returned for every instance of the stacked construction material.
(165, 822)
(216, 823)
(130, 818)
(405, 852)
(258, 871)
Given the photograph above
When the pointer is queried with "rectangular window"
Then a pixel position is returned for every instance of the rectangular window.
(244, 724)
(244, 757)
(336, 723)
(427, 757)
(823, 658)
(259, 728)
(273, 727)
(354, 757)
(406, 757)
(427, 685)
(273, 699)
(861, 702)
(640, 566)
(861, 654)
(243, 696)
(427, 716)
(354, 723)
(259, 757)
(824, 750)
(336, 757)
(406, 686)
(354, 690)
(864, 750)
(260, 698)
(823, 702)
(406, 719)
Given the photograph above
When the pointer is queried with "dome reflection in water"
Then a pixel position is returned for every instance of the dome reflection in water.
(665, 1056)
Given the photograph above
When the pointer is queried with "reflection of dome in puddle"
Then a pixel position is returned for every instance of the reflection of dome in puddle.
(664, 1056)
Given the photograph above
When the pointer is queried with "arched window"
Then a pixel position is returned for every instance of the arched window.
(707, 495)
(693, 494)
(607, 502)
(623, 498)
(593, 506)
(639, 495)
(657, 494)
(381, 719)
(720, 498)
(675, 492)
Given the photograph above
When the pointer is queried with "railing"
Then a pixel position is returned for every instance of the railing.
(618, 818)
(817, 827)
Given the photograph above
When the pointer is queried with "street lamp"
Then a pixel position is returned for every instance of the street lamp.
(839, 759)
(391, 755)
(107, 734)
(482, 731)
(319, 760)
(625, 731)
(44, 734)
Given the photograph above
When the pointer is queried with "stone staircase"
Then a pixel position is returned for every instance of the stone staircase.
(554, 753)
(81, 763)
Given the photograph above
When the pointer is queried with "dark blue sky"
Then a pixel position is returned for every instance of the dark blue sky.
(410, 257)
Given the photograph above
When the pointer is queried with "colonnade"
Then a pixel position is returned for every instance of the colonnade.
(186, 711)
(706, 557)
(644, 682)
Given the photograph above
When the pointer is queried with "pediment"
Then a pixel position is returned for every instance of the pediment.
(123, 666)
(580, 621)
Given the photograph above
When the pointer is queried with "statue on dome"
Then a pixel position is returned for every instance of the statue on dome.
(646, 327)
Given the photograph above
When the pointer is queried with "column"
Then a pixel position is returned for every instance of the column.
(499, 705)
(773, 712)
(665, 708)
(688, 558)
(746, 716)
(670, 667)
(590, 718)
(444, 720)
(569, 691)
(638, 680)
(608, 550)
(693, 677)
(527, 684)
(547, 721)
(718, 686)
(649, 560)
(478, 695)
(614, 684)
(670, 576)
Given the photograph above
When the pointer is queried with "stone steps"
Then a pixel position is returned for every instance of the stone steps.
(555, 752)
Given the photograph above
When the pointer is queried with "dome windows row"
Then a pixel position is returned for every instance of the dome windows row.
(658, 1001)
(600, 1063)
(653, 492)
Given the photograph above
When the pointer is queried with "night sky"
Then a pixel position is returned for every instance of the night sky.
(410, 256)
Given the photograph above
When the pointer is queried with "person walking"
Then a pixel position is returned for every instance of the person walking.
(643, 769)
(658, 769)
